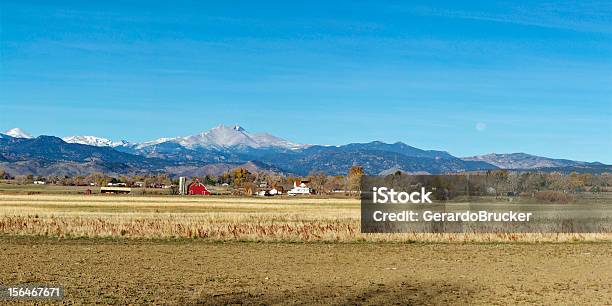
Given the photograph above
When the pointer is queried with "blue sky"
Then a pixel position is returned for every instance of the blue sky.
(469, 78)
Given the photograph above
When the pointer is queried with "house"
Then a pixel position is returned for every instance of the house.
(299, 187)
(197, 188)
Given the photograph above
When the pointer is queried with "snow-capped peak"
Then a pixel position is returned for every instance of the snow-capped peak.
(18, 133)
(222, 137)
(223, 127)
(94, 141)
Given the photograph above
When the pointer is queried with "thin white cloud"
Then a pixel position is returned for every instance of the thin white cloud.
(588, 17)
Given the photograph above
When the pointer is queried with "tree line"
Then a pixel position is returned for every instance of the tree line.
(478, 183)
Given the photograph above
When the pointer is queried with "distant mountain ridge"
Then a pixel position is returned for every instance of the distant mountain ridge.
(226, 147)
(527, 161)
(375, 157)
(48, 155)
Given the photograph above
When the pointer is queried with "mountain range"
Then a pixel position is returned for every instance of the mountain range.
(527, 161)
(223, 148)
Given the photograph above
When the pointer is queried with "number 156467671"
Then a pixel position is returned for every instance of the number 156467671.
(31, 292)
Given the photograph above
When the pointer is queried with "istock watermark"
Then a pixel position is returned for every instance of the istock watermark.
(475, 203)
(382, 195)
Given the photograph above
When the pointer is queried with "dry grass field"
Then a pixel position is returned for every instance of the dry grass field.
(216, 219)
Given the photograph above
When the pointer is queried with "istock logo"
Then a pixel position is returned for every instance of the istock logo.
(384, 195)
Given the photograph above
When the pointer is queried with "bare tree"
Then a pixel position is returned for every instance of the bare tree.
(317, 181)
(354, 178)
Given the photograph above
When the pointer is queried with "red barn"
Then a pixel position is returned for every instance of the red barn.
(197, 188)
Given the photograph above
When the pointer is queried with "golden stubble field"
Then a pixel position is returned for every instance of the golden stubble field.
(217, 219)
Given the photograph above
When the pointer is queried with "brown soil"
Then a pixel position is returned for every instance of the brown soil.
(189, 272)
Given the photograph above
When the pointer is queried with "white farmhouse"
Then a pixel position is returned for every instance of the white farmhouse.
(299, 188)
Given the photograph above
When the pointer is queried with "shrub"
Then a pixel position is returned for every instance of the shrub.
(550, 196)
